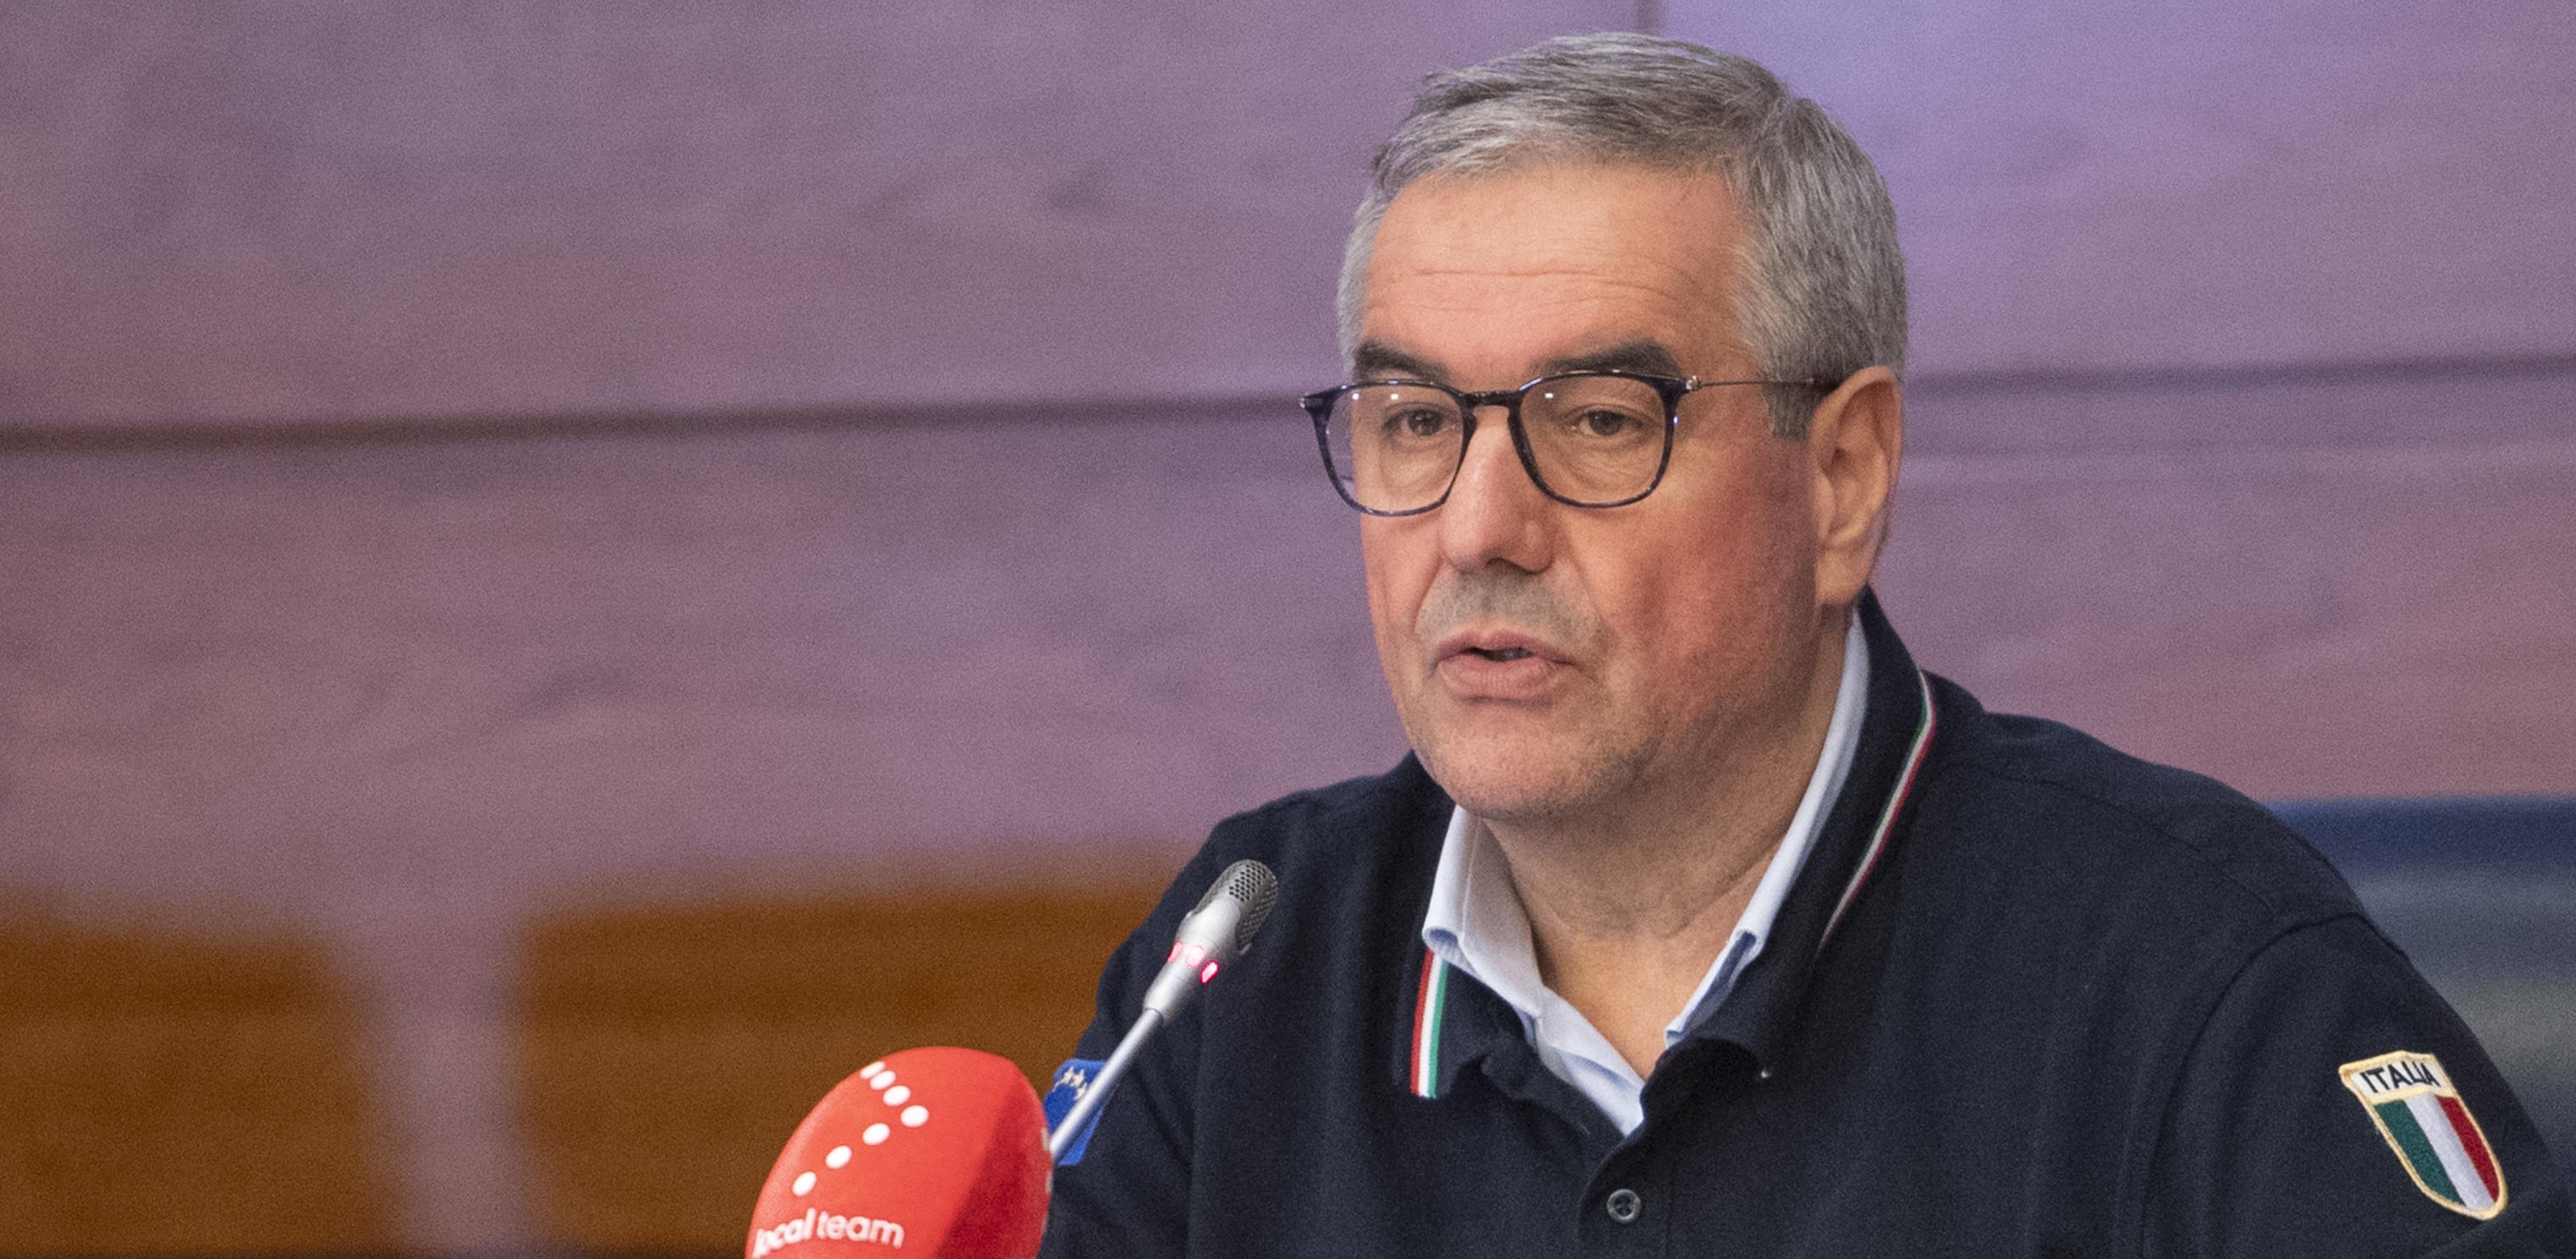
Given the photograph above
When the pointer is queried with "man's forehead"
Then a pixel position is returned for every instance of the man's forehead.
(1552, 216)
(1553, 268)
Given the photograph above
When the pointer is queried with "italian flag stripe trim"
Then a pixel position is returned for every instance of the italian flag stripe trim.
(1887, 816)
(1429, 1004)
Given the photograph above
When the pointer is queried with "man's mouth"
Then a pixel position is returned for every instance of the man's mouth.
(1498, 663)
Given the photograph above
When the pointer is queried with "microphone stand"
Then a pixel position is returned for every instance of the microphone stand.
(1211, 936)
(1090, 1102)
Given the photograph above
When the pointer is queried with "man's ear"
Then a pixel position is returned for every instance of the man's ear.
(1855, 440)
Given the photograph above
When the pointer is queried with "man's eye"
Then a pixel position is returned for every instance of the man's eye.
(1605, 423)
(1417, 422)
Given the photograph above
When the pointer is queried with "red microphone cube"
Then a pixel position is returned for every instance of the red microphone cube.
(938, 1152)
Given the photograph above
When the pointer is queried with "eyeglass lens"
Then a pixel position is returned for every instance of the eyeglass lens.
(1594, 439)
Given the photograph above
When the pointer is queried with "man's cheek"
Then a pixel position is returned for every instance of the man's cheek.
(1391, 625)
(1395, 597)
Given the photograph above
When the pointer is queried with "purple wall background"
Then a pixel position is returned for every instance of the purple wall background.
(329, 211)
(457, 458)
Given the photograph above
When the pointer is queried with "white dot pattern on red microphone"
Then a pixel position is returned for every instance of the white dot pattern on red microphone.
(910, 1114)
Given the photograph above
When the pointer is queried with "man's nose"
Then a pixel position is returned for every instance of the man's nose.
(1495, 514)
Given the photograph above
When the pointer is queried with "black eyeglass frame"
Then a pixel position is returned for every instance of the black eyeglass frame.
(1319, 408)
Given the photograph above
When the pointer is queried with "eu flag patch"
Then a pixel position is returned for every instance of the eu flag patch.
(1072, 1080)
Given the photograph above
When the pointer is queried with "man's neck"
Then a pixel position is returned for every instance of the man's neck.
(1628, 910)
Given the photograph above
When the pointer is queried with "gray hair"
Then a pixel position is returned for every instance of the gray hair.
(1822, 293)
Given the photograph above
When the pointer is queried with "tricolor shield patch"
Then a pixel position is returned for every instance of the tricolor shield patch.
(2411, 1099)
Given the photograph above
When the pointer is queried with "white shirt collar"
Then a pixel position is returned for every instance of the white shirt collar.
(1476, 924)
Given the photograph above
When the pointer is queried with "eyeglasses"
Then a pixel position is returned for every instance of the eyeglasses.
(1588, 439)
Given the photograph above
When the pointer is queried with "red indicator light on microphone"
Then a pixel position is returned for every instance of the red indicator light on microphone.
(1207, 972)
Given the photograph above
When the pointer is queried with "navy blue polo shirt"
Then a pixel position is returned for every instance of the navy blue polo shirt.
(2028, 997)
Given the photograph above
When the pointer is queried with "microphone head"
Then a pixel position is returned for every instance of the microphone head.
(1254, 889)
(937, 1152)
(1213, 934)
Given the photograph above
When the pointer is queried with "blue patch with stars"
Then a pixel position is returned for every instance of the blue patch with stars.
(1072, 1080)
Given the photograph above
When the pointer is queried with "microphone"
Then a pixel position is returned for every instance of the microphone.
(1211, 937)
(931, 1151)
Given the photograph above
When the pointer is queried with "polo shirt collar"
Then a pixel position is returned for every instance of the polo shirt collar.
(1477, 925)
(1451, 1020)
(1870, 819)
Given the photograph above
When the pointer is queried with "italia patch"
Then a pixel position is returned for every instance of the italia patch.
(2410, 1097)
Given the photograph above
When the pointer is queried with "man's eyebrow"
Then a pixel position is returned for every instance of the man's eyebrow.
(1646, 358)
(1376, 360)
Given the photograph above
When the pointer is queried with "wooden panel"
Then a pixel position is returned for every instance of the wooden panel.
(2307, 589)
(2299, 624)
(402, 692)
(486, 663)
(457, 207)
(2455, 407)
(278, 210)
(668, 1052)
(167, 1092)
(2205, 181)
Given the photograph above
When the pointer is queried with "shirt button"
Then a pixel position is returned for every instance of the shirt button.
(1623, 1205)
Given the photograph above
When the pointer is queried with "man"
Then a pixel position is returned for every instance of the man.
(1701, 921)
